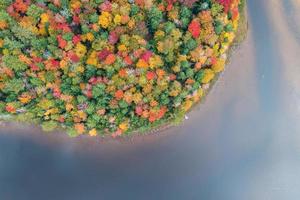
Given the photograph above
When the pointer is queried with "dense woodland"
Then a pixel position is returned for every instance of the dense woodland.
(110, 67)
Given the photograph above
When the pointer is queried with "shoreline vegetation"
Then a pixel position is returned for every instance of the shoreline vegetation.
(210, 67)
(241, 34)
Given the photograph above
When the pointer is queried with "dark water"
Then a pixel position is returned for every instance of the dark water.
(243, 143)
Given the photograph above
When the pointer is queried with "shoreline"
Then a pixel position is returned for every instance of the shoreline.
(241, 35)
(156, 130)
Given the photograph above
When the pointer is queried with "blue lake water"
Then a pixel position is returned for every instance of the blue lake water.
(242, 143)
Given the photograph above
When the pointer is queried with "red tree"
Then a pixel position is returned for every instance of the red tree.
(226, 4)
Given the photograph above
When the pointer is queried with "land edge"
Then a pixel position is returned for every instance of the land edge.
(241, 35)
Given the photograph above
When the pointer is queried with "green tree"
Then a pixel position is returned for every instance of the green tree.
(155, 17)
(14, 85)
(14, 63)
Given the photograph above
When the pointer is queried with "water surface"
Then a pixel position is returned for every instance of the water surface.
(242, 143)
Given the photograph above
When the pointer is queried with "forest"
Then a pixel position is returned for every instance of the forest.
(110, 67)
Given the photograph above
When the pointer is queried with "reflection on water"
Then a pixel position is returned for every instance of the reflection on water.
(242, 143)
(291, 8)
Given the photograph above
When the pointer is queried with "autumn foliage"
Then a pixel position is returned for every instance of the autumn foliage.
(110, 67)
